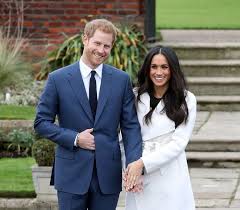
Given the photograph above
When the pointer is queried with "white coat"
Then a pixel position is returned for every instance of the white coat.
(167, 183)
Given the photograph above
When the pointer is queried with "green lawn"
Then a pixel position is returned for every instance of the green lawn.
(16, 177)
(212, 14)
(17, 112)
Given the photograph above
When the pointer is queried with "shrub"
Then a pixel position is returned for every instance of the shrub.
(1, 139)
(27, 93)
(11, 62)
(12, 43)
(20, 141)
(127, 53)
(43, 152)
(1, 134)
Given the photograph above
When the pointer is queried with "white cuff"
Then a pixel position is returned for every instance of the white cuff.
(75, 141)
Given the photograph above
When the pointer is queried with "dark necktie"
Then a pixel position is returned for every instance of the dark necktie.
(93, 93)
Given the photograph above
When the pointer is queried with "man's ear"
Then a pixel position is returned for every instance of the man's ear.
(84, 38)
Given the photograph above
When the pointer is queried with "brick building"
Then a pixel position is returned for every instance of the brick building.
(46, 21)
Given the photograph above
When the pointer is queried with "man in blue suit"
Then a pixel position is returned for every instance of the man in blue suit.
(91, 101)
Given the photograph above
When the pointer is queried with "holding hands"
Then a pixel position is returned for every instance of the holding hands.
(132, 176)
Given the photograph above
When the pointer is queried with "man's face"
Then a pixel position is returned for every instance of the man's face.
(97, 48)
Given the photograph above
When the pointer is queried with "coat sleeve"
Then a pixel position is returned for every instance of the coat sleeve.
(130, 128)
(47, 110)
(123, 158)
(178, 143)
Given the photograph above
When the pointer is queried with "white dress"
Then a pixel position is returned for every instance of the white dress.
(167, 183)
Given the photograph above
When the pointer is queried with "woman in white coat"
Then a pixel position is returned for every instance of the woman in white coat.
(166, 113)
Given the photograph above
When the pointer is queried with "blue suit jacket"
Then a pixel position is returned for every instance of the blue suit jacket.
(64, 96)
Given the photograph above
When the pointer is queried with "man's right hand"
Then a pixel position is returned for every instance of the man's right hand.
(85, 139)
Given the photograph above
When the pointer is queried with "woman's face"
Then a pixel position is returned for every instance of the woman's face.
(160, 73)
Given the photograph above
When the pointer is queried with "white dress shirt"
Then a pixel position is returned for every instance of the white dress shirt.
(86, 74)
(85, 71)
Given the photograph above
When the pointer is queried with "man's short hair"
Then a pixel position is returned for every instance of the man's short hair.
(102, 25)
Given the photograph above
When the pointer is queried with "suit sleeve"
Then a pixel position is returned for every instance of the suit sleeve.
(178, 143)
(47, 110)
(130, 128)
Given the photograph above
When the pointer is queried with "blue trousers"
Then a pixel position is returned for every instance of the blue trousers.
(94, 199)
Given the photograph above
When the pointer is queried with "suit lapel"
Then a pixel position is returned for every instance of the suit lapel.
(76, 82)
(105, 89)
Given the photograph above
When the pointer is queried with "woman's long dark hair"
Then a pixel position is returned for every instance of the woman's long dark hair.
(175, 104)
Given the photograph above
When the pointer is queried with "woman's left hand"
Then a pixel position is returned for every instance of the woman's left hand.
(133, 173)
